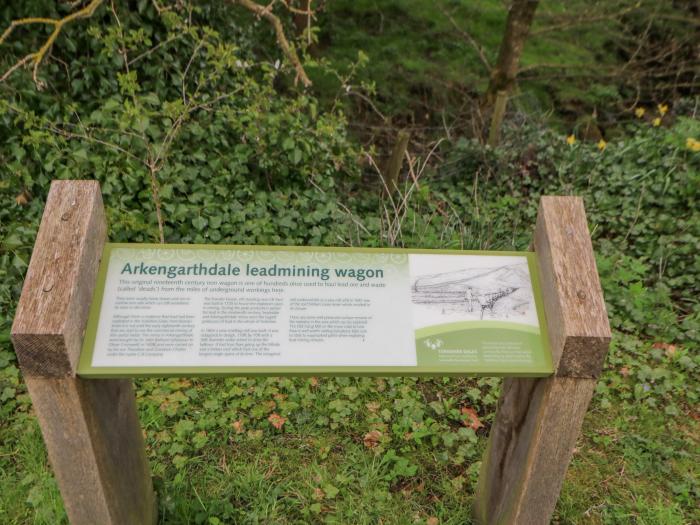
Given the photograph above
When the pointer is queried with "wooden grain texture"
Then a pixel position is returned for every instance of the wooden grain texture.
(90, 427)
(530, 446)
(52, 312)
(96, 449)
(538, 420)
(573, 299)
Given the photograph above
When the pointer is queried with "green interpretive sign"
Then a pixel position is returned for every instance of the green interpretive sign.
(187, 310)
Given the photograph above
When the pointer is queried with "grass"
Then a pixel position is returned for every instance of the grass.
(29, 491)
(630, 466)
(317, 469)
(423, 67)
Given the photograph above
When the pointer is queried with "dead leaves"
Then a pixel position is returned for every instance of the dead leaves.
(471, 419)
(373, 407)
(276, 420)
(372, 438)
(23, 198)
(669, 349)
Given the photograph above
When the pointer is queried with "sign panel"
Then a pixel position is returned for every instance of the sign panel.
(163, 310)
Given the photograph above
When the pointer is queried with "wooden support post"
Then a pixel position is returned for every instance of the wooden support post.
(90, 427)
(392, 169)
(499, 111)
(539, 420)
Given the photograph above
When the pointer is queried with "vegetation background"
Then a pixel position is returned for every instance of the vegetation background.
(203, 128)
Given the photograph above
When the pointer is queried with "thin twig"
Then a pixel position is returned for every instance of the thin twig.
(287, 49)
(155, 189)
(469, 38)
(58, 24)
(155, 48)
(584, 21)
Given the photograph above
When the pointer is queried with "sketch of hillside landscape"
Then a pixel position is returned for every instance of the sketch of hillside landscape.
(499, 293)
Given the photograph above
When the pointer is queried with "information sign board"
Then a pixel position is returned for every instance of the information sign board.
(167, 310)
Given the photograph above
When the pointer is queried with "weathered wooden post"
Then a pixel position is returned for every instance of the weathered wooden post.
(538, 420)
(392, 169)
(90, 427)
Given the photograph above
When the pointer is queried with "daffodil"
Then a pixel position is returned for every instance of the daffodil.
(692, 144)
(639, 112)
(570, 140)
(602, 144)
(663, 109)
(656, 122)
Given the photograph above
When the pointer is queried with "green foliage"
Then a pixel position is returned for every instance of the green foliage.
(420, 436)
(582, 57)
(326, 421)
(205, 131)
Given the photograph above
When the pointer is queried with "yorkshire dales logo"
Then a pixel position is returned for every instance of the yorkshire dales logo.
(433, 344)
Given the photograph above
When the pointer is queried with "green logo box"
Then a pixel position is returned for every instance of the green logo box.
(163, 310)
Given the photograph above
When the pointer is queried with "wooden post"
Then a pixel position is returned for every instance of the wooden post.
(392, 169)
(499, 111)
(539, 420)
(90, 427)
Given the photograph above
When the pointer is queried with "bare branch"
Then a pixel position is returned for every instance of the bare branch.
(306, 12)
(38, 56)
(24, 22)
(155, 48)
(16, 66)
(469, 38)
(577, 22)
(266, 13)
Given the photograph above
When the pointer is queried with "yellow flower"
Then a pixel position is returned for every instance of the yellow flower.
(570, 139)
(663, 108)
(656, 122)
(602, 144)
(639, 112)
(692, 144)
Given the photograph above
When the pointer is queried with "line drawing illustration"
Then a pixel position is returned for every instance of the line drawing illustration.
(498, 293)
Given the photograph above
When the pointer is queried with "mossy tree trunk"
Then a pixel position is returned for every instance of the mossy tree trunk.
(520, 17)
(503, 75)
(502, 80)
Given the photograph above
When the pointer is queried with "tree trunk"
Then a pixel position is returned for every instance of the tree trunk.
(499, 111)
(518, 23)
(301, 20)
(392, 169)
